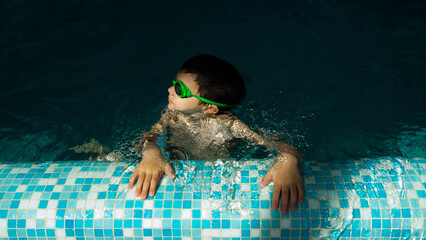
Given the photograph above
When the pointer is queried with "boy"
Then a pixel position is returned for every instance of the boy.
(200, 126)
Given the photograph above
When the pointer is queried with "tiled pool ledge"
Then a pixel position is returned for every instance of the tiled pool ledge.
(355, 199)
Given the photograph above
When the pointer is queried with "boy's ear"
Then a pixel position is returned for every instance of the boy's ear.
(211, 109)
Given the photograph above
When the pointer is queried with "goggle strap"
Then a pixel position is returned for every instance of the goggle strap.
(185, 91)
(215, 103)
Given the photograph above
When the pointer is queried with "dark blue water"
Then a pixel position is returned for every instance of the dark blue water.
(342, 79)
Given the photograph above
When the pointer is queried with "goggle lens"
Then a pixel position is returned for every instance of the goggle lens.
(178, 89)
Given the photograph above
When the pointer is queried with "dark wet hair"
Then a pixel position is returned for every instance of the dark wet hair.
(218, 80)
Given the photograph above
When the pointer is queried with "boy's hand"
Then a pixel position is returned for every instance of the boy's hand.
(148, 173)
(287, 182)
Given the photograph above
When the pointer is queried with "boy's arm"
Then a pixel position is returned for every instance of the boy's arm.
(153, 165)
(284, 172)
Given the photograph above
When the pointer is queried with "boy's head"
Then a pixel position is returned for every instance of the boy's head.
(217, 80)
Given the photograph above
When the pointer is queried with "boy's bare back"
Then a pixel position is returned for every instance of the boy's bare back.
(198, 136)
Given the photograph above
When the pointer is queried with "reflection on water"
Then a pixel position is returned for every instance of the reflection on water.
(335, 79)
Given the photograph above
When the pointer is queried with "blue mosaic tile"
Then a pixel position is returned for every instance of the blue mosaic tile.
(358, 199)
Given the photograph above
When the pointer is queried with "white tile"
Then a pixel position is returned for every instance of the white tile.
(206, 233)
(51, 168)
(394, 202)
(332, 194)
(3, 224)
(95, 188)
(3, 232)
(157, 223)
(186, 214)
(72, 175)
(118, 213)
(216, 233)
(33, 204)
(100, 204)
(313, 204)
(98, 213)
(148, 204)
(128, 232)
(90, 204)
(245, 214)
(82, 175)
(325, 233)
(51, 213)
(52, 204)
(264, 193)
(236, 233)
(43, 181)
(417, 186)
(146, 223)
(418, 223)
(365, 213)
(41, 213)
(265, 213)
(357, 178)
(21, 188)
(122, 188)
(346, 213)
(275, 233)
(70, 181)
(336, 172)
(411, 194)
(59, 232)
(23, 204)
(322, 195)
(216, 187)
(36, 195)
(422, 204)
(285, 223)
(58, 188)
(115, 180)
(310, 180)
(206, 214)
(334, 203)
(245, 187)
(75, 169)
(92, 195)
(226, 233)
(31, 223)
(255, 233)
(205, 204)
(216, 204)
(52, 181)
(163, 181)
(81, 204)
(130, 194)
(50, 223)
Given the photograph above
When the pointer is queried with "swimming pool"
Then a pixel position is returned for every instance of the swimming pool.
(340, 81)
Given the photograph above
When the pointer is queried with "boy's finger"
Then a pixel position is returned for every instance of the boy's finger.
(139, 185)
(168, 170)
(293, 197)
(300, 193)
(276, 196)
(132, 181)
(145, 187)
(284, 200)
(153, 187)
(266, 179)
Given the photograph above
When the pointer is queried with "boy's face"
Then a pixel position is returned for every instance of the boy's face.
(182, 104)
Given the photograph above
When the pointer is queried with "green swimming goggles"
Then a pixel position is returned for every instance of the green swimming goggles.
(183, 92)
